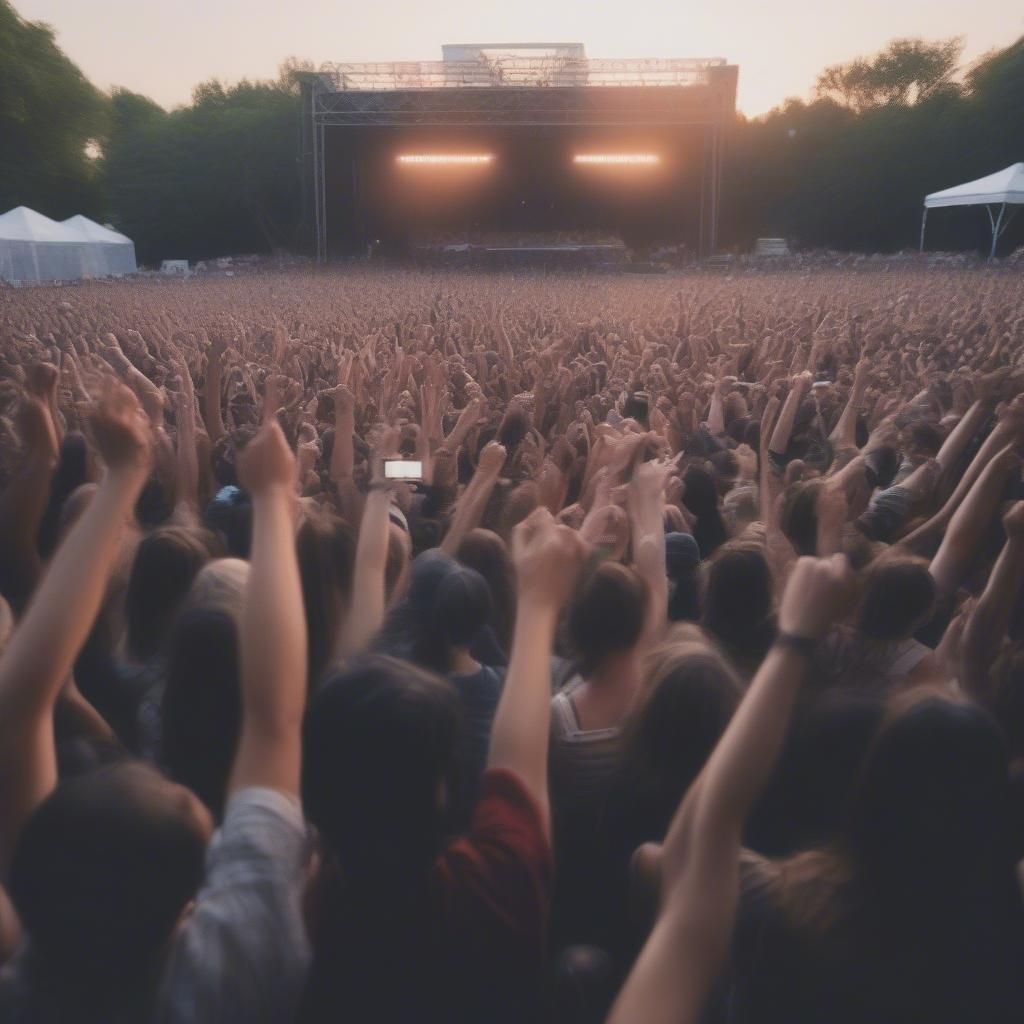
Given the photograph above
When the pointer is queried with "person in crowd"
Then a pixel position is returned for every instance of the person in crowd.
(727, 565)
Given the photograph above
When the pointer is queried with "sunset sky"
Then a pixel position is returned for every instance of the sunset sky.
(164, 48)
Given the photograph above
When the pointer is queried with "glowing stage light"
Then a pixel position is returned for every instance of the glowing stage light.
(633, 159)
(446, 159)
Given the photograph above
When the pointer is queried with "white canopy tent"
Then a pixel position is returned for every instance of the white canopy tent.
(34, 248)
(1002, 189)
(116, 251)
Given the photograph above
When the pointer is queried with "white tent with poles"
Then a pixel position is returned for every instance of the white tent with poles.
(34, 248)
(116, 252)
(994, 191)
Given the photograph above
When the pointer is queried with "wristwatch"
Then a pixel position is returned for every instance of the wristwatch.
(804, 645)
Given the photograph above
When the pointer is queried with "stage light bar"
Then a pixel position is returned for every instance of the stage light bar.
(446, 159)
(641, 159)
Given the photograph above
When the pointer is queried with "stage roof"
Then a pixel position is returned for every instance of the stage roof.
(518, 65)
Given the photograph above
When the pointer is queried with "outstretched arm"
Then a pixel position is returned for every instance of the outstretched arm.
(986, 627)
(647, 518)
(548, 559)
(212, 413)
(44, 646)
(471, 504)
(273, 628)
(366, 615)
(845, 433)
(24, 500)
(784, 425)
(952, 560)
(700, 860)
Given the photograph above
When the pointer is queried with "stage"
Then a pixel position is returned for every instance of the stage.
(499, 137)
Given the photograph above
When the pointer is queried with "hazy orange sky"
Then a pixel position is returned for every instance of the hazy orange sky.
(164, 48)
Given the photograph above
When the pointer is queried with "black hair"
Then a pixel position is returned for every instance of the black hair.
(202, 705)
(487, 553)
(459, 611)
(166, 562)
(701, 498)
(899, 595)
(100, 876)
(378, 742)
(606, 614)
(326, 557)
(668, 738)
(72, 471)
(738, 601)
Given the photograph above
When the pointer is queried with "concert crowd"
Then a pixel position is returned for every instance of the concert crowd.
(678, 676)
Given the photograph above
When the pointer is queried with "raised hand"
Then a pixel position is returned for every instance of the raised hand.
(121, 431)
(267, 463)
(548, 559)
(817, 594)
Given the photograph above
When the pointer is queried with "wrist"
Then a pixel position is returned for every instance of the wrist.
(798, 642)
(537, 610)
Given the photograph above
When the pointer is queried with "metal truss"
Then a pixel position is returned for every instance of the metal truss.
(505, 70)
(708, 103)
(531, 92)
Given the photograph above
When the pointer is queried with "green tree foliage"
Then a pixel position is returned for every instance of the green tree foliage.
(850, 169)
(222, 175)
(904, 72)
(218, 175)
(48, 115)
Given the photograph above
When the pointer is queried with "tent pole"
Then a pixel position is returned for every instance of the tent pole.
(996, 226)
(924, 220)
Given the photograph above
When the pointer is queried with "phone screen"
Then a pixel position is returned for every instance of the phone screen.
(403, 469)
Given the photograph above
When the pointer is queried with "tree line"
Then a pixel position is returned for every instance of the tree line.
(846, 169)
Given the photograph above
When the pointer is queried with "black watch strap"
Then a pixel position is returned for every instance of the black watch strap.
(806, 645)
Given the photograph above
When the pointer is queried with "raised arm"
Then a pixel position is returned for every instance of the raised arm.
(366, 615)
(46, 642)
(647, 520)
(548, 559)
(953, 559)
(700, 859)
(799, 387)
(24, 500)
(844, 435)
(342, 467)
(272, 632)
(1007, 431)
(212, 413)
(986, 627)
(471, 504)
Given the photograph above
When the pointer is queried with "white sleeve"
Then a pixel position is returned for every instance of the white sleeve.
(243, 953)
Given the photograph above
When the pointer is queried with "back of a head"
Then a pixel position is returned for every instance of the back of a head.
(898, 595)
(101, 874)
(219, 586)
(166, 562)
(378, 741)
(325, 552)
(739, 595)
(701, 494)
(928, 817)
(202, 705)
(689, 697)
(514, 427)
(799, 516)
(682, 563)
(487, 553)
(459, 610)
(606, 614)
